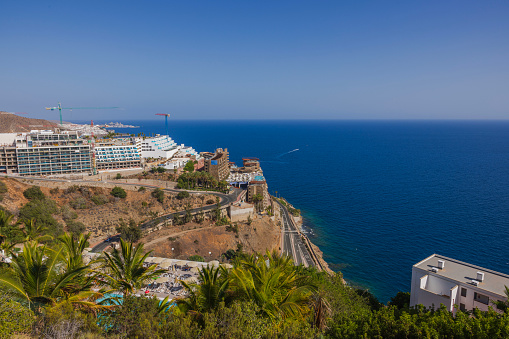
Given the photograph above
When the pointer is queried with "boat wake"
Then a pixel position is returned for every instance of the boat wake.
(295, 150)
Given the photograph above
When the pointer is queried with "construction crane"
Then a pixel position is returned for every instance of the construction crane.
(94, 161)
(60, 108)
(165, 121)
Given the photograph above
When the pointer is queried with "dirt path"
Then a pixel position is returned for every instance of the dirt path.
(166, 236)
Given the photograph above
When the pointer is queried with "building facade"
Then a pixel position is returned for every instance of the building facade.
(160, 146)
(48, 153)
(218, 165)
(441, 280)
(112, 157)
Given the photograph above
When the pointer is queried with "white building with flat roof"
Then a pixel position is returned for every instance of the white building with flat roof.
(441, 280)
(160, 146)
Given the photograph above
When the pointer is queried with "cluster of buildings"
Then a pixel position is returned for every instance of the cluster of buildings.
(440, 280)
(49, 153)
(69, 152)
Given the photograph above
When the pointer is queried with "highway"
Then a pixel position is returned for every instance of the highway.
(292, 242)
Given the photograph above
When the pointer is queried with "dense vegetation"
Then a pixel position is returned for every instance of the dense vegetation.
(49, 290)
(200, 180)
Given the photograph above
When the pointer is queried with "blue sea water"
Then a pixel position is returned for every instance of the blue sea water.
(379, 196)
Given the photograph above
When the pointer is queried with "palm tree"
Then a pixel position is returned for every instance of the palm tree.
(275, 286)
(38, 276)
(257, 198)
(34, 232)
(207, 295)
(123, 269)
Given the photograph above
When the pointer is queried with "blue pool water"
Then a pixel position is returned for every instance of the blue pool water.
(379, 196)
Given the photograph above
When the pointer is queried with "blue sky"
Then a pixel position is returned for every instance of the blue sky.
(257, 60)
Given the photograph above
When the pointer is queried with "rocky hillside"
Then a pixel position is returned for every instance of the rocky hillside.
(11, 123)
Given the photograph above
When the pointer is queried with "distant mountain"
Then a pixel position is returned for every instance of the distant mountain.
(11, 123)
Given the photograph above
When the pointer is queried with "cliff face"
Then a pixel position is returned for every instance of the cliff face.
(11, 123)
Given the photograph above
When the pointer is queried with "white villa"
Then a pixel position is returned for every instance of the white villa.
(441, 280)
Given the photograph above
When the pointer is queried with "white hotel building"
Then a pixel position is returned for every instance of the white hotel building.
(161, 146)
(441, 280)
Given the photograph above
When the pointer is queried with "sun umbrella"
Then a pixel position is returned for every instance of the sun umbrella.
(165, 265)
(195, 270)
(149, 259)
(214, 263)
(179, 263)
(227, 266)
(192, 264)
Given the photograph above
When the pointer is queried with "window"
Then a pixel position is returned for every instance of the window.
(462, 307)
(463, 292)
(481, 298)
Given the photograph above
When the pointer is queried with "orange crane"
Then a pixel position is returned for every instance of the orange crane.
(165, 120)
(60, 108)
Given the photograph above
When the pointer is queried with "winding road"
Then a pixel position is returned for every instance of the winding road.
(225, 200)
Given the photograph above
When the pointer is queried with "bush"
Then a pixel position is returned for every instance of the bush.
(118, 192)
(34, 193)
(14, 318)
(141, 189)
(210, 202)
(3, 187)
(76, 227)
(158, 170)
(71, 189)
(100, 199)
(196, 258)
(183, 195)
(131, 232)
(189, 167)
(41, 211)
(158, 194)
(79, 203)
(68, 213)
(54, 191)
(118, 176)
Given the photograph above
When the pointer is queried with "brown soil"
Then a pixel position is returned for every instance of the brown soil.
(263, 234)
(10, 123)
(100, 220)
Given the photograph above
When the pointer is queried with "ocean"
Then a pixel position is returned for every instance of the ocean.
(378, 196)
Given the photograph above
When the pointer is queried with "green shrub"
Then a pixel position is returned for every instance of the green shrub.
(54, 191)
(71, 189)
(76, 227)
(141, 189)
(118, 192)
(3, 187)
(34, 193)
(100, 199)
(68, 213)
(41, 211)
(14, 317)
(210, 202)
(196, 258)
(158, 194)
(79, 203)
(183, 195)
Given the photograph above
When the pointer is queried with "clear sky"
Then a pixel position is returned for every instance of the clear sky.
(257, 59)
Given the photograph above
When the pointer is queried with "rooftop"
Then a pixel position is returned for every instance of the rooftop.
(462, 272)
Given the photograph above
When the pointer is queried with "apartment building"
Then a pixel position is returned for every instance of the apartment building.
(441, 280)
(218, 165)
(49, 153)
(117, 153)
(160, 146)
(259, 186)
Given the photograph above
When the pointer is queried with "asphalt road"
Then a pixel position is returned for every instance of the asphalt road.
(292, 242)
(225, 199)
